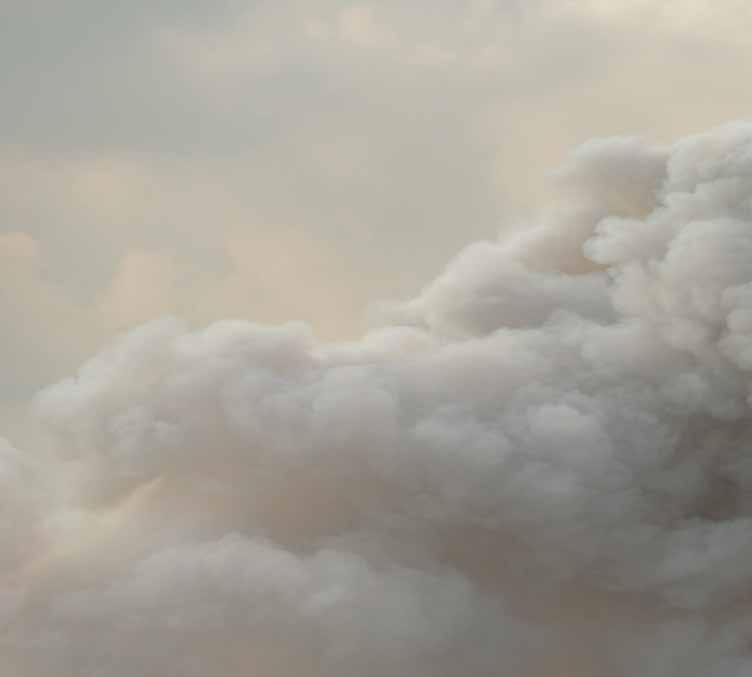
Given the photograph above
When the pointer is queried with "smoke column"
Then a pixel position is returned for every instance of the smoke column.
(541, 466)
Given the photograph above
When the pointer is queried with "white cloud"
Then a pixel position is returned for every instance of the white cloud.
(541, 463)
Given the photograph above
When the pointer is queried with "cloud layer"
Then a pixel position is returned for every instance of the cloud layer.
(536, 467)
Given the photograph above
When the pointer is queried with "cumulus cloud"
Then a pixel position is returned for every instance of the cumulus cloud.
(536, 467)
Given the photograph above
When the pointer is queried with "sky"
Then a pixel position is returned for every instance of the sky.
(360, 340)
(277, 160)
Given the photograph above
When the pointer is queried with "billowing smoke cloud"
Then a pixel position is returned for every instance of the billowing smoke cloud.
(541, 466)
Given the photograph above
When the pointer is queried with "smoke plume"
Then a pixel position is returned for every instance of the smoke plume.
(541, 466)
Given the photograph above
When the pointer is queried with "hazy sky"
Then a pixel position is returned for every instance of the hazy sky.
(290, 159)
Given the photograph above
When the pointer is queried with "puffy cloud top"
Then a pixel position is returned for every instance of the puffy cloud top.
(537, 467)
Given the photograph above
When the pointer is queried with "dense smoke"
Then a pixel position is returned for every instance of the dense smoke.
(539, 467)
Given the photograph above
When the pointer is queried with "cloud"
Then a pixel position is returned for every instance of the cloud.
(358, 25)
(535, 466)
(386, 134)
(538, 466)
